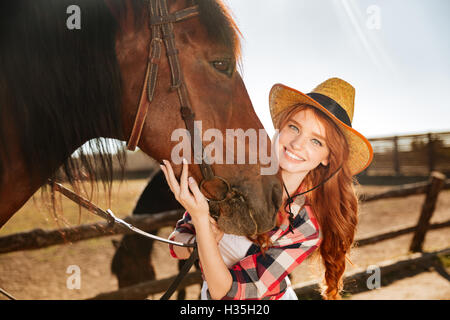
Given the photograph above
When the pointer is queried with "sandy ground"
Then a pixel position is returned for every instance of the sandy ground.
(43, 274)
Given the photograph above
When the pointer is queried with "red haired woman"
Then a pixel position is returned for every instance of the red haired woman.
(319, 153)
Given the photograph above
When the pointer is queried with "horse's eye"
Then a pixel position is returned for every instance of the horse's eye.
(222, 66)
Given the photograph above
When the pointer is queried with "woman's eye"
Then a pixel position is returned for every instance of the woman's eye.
(222, 66)
(317, 142)
(291, 126)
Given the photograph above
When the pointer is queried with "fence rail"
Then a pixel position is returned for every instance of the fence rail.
(38, 238)
(410, 155)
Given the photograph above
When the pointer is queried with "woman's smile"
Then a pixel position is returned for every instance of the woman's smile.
(292, 156)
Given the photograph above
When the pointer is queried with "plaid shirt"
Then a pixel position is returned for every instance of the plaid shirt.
(259, 276)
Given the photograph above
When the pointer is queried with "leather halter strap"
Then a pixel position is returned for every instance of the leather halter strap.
(161, 25)
(148, 89)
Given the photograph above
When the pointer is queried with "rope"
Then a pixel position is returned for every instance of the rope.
(9, 296)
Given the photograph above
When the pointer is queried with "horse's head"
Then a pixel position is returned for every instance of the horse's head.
(208, 52)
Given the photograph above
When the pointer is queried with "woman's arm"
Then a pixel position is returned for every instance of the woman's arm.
(214, 269)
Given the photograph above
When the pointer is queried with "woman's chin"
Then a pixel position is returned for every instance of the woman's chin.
(290, 168)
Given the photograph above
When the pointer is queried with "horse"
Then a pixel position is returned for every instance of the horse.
(62, 88)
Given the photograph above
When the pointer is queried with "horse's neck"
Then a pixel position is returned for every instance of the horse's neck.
(16, 187)
(18, 184)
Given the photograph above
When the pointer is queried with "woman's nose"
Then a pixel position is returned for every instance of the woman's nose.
(298, 142)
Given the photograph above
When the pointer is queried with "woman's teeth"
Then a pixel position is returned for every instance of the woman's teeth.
(293, 156)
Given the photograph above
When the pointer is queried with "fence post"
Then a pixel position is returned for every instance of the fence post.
(396, 157)
(435, 186)
(430, 152)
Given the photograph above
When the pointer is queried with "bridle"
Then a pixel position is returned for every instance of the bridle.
(161, 25)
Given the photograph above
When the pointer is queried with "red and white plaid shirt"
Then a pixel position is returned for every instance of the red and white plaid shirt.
(259, 276)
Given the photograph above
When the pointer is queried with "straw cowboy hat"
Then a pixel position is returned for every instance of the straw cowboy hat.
(335, 98)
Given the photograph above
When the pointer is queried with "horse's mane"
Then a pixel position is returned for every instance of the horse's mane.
(60, 86)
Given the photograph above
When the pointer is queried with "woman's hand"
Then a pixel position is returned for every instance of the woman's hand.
(187, 192)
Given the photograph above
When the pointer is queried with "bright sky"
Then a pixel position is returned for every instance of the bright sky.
(396, 53)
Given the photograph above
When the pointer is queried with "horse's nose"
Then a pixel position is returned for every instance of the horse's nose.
(277, 195)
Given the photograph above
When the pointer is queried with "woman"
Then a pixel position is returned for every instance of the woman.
(319, 153)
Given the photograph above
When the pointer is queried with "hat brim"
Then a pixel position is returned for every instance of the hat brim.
(360, 149)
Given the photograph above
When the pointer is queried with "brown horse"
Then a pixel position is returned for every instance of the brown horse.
(63, 87)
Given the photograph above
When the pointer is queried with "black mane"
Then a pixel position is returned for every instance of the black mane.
(62, 87)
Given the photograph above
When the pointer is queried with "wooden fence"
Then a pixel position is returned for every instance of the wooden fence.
(410, 155)
(37, 239)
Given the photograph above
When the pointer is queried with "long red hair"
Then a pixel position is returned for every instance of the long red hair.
(335, 203)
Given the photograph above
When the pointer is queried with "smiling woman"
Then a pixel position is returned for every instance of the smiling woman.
(319, 153)
(319, 148)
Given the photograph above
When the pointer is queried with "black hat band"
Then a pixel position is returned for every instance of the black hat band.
(332, 106)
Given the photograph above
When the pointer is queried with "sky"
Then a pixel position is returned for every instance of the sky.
(396, 53)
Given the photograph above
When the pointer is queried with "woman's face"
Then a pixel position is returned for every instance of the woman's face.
(302, 145)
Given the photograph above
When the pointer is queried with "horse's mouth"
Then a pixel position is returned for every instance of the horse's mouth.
(234, 216)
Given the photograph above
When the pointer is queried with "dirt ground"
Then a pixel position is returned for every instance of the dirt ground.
(43, 274)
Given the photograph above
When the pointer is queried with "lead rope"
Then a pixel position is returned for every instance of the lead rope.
(9, 296)
(184, 270)
(109, 215)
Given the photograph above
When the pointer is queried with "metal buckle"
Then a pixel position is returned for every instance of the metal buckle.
(221, 179)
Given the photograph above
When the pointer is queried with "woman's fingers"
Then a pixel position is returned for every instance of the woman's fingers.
(212, 221)
(193, 202)
(184, 191)
(195, 190)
